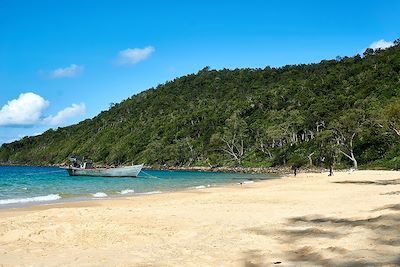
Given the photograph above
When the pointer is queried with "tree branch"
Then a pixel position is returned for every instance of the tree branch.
(351, 158)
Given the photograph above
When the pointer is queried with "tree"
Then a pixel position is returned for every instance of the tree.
(193, 154)
(286, 108)
(233, 137)
(263, 144)
(346, 129)
(368, 52)
(263, 140)
(327, 149)
(391, 116)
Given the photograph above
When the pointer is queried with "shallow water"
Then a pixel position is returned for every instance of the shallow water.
(21, 186)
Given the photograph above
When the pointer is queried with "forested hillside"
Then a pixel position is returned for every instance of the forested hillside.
(344, 111)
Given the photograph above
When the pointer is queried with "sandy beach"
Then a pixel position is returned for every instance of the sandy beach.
(349, 219)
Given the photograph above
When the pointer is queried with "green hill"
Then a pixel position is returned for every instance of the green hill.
(342, 111)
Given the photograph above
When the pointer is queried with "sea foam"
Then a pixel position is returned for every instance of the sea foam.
(200, 187)
(246, 182)
(50, 197)
(127, 191)
(100, 194)
(151, 193)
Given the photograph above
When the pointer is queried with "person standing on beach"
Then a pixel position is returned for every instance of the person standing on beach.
(294, 168)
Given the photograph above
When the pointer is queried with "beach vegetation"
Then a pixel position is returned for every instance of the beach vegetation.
(344, 111)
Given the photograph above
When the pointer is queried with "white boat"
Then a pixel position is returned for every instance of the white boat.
(86, 169)
(126, 171)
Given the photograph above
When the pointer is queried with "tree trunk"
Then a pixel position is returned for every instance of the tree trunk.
(351, 157)
(397, 131)
(263, 148)
(235, 152)
(310, 159)
(355, 164)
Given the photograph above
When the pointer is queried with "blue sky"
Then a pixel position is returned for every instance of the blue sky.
(64, 61)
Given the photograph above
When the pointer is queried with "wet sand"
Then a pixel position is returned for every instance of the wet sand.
(350, 219)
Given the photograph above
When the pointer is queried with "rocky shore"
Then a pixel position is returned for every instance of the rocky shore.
(237, 169)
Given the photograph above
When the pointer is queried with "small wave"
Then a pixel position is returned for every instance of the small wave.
(127, 191)
(200, 187)
(50, 197)
(100, 194)
(151, 193)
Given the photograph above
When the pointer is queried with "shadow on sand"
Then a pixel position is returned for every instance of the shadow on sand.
(377, 182)
(381, 233)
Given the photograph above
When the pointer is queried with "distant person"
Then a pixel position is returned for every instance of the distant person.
(295, 168)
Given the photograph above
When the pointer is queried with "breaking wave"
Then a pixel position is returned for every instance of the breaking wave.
(100, 194)
(127, 191)
(50, 197)
(200, 187)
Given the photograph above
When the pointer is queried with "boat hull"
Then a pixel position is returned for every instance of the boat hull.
(128, 171)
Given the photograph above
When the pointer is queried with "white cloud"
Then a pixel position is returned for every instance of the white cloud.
(68, 72)
(134, 55)
(63, 115)
(381, 44)
(28, 110)
(25, 110)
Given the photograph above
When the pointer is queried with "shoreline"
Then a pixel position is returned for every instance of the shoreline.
(111, 196)
(103, 201)
(84, 199)
(349, 219)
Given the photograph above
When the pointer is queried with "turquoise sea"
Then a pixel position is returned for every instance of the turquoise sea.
(22, 186)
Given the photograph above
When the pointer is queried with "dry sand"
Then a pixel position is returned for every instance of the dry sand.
(350, 219)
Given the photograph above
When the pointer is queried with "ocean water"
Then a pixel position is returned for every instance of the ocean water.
(23, 186)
